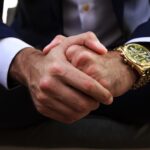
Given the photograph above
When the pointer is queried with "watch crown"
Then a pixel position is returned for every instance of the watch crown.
(132, 66)
(125, 60)
(137, 57)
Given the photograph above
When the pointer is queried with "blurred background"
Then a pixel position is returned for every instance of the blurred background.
(8, 4)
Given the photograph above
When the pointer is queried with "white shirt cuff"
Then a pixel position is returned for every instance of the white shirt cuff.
(9, 47)
(138, 40)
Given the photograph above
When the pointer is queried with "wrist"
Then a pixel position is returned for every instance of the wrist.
(22, 64)
(117, 76)
(138, 58)
(128, 70)
(127, 73)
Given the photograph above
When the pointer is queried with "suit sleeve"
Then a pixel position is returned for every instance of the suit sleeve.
(141, 33)
(10, 45)
(5, 31)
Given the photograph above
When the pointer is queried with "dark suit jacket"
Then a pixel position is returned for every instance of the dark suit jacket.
(37, 22)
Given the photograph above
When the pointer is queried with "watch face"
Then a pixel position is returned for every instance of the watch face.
(138, 54)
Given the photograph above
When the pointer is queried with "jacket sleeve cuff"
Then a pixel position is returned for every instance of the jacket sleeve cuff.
(9, 47)
(139, 40)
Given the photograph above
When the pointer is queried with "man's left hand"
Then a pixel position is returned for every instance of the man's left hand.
(109, 69)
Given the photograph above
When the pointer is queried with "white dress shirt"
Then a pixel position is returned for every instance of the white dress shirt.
(91, 15)
(79, 16)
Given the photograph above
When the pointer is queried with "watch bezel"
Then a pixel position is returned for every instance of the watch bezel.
(132, 54)
(143, 69)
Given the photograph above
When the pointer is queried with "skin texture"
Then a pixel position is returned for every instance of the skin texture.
(59, 90)
(109, 69)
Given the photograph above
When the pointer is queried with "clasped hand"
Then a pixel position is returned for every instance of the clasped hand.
(108, 69)
(65, 93)
(72, 76)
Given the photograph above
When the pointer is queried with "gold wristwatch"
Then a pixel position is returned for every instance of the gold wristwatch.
(138, 57)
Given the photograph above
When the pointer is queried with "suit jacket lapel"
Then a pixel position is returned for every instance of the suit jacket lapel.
(118, 6)
(1, 9)
(56, 6)
(57, 10)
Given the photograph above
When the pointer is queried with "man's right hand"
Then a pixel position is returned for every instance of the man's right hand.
(59, 90)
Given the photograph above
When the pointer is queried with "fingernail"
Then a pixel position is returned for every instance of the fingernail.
(46, 47)
(51, 44)
(100, 46)
(110, 100)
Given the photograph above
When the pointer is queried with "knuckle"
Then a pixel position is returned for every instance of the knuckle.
(57, 69)
(71, 50)
(59, 37)
(88, 86)
(84, 60)
(47, 83)
(41, 98)
(83, 107)
(91, 34)
(44, 83)
(93, 70)
(73, 47)
(85, 56)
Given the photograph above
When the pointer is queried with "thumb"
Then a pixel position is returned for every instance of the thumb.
(88, 40)
(56, 41)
